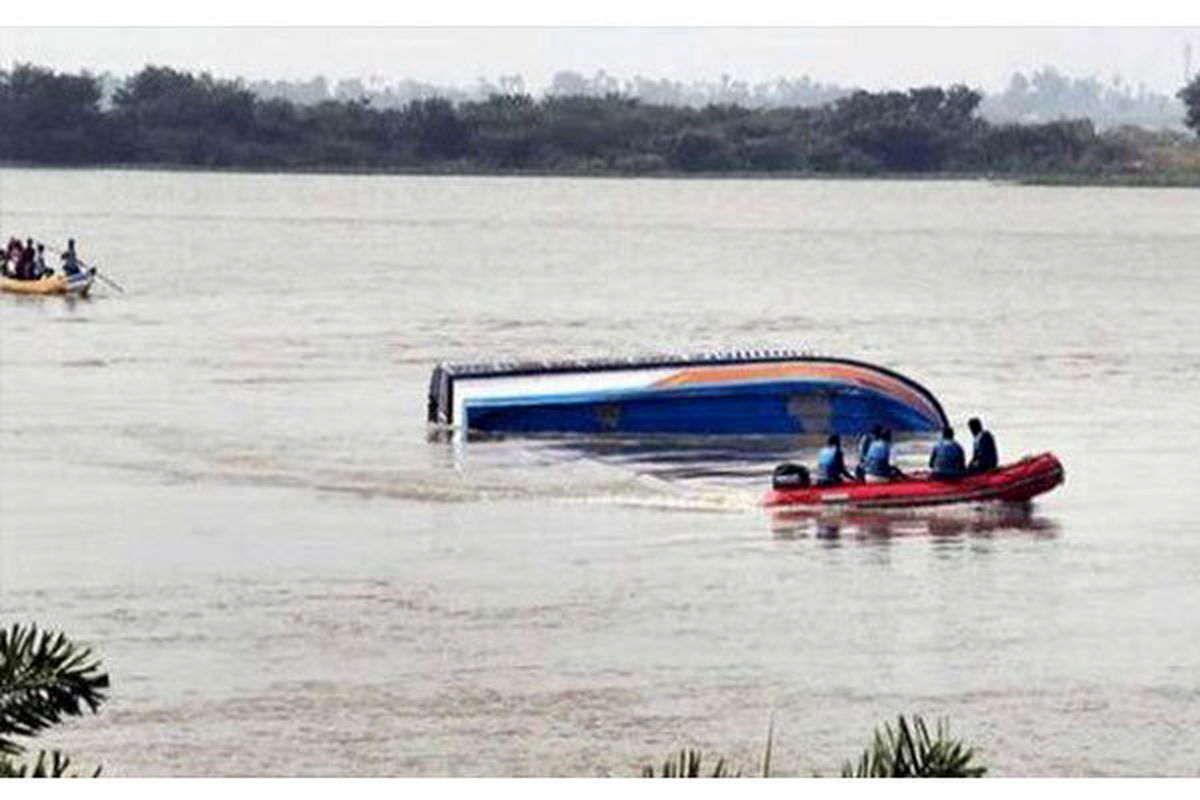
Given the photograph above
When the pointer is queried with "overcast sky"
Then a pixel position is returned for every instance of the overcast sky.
(867, 57)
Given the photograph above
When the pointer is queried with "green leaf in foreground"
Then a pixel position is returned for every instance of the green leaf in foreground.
(688, 765)
(44, 678)
(910, 752)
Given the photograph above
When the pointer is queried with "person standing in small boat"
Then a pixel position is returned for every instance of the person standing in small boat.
(878, 466)
(831, 464)
(70, 260)
(947, 462)
(983, 455)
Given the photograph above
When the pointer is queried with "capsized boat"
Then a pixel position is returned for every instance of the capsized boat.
(76, 284)
(1016, 482)
(746, 392)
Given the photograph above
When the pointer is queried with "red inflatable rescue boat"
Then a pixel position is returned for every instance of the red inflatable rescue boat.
(1013, 483)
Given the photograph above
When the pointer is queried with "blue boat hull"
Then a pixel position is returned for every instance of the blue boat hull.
(767, 408)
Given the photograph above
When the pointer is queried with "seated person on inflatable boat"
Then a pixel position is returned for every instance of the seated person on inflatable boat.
(947, 462)
(831, 464)
(983, 457)
(864, 445)
(877, 467)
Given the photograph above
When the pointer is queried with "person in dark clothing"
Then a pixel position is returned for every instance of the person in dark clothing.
(831, 464)
(947, 461)
(25, 262)
(983, 456)
(878, 465)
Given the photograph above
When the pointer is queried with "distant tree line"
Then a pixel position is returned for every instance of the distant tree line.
(164, 116)
(1041, 96)
(1047, 94)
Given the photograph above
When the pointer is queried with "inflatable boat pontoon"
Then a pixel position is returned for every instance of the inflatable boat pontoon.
(1012, 483)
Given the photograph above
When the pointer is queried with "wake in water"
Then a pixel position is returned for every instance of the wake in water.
(724, 475)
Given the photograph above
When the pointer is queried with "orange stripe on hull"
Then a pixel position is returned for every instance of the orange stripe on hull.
(812, 370)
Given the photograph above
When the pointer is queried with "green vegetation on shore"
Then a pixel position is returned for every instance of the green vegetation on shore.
(164, 117)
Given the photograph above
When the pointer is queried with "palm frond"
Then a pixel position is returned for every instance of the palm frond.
(55, 767)
(44, 677)
(910, 752)
(689, 765)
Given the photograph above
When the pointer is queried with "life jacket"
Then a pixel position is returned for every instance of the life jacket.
(879, 459)
(948, 460)
(830, 464)
(984, 457)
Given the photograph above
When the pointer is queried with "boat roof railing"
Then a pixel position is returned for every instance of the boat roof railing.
(527, 366)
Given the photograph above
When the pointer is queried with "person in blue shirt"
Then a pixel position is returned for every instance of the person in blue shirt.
(878, 464)
(70, 260)
(831, 464)
(983, 457)
(947, 461)
(864, 445)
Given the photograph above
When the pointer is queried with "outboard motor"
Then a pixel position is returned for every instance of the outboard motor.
(790, 476)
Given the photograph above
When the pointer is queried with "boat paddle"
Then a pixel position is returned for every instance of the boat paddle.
(105, 278)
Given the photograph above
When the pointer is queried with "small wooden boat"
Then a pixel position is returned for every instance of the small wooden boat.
(76, 285)
(1013, 483)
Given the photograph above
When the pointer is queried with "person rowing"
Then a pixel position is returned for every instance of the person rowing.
(73, 265)
(70, 260)
(947, 461)
(983, 456)
(831, 464)
(877, 467)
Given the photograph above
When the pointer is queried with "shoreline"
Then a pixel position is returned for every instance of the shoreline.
(1181, 179)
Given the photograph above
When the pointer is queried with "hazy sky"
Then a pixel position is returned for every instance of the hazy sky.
(867, 57)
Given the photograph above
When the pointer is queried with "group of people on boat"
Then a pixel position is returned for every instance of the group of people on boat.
(27, 261)
(947, 461)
